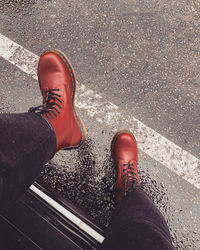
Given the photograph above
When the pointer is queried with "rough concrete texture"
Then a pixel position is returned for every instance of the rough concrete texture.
(141, 55)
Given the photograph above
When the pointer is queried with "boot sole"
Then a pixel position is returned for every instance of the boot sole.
(71, 71)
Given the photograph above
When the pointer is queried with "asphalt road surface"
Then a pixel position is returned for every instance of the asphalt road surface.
(141, 57)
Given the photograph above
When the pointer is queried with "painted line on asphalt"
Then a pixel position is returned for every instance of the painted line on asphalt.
(82, 225)
(149, 141)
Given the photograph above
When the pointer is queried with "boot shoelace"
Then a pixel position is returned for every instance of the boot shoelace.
(49, 107)
(129, 177)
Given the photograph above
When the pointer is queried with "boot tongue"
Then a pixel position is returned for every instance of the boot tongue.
(51, 96)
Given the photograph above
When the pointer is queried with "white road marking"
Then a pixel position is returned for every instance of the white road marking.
(68, 214)
(149, 141)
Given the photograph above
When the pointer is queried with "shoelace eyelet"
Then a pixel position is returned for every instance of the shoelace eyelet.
(49, 107)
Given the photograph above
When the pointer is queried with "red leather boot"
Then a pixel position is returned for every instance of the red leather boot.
(125, 155)
(57, 82)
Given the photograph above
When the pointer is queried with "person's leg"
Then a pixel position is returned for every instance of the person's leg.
(29, 140)
(27, 143)
(136, 223)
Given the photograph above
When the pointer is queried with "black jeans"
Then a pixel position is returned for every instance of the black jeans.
(137, 224)
(27, 142)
